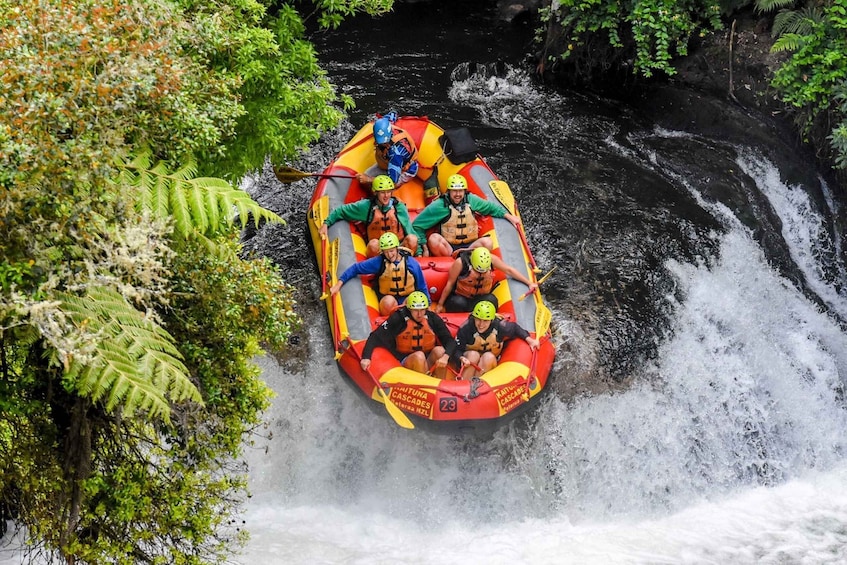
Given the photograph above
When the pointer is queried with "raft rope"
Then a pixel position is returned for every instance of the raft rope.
(476, 383)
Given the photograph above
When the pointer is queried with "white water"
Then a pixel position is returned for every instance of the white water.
(742, 396)
(731, 450)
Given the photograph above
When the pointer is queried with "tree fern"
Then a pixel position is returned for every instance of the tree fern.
(771, 5)
(788, 42)
(134, 363)
(799, 22)
(199, 206)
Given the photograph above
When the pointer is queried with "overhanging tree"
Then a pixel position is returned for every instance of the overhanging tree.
(127, 321)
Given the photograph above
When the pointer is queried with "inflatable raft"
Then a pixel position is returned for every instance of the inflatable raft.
(410, 397)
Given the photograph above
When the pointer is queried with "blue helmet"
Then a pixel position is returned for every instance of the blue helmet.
(382, 130)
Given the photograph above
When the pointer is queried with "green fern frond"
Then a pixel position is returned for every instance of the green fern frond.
(186, 171)
(135, 364)
(179, 209)
(203, 205)
(799, 22)
(771, 5)
(788, 42)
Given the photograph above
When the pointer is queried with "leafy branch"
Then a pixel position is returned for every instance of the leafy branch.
(203, 206)
(134, 364)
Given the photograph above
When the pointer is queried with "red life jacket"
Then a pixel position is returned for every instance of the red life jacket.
(382, 222)
(415, 337)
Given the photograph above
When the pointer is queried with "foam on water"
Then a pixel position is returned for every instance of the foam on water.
(732, 453)
(803, 521)
(813, 248)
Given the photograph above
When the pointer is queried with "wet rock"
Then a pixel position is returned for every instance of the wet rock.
(736, 63)
(514, 11)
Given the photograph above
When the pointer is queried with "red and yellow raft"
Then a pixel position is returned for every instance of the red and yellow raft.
(409, 396)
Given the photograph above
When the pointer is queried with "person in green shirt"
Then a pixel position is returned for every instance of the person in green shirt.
(454, 213)
(381, 213)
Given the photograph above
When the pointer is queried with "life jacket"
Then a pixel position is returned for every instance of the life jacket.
(471, 282)
(395, 280)
(415, 337)
(402, 137)
(461, 226)
(380, 222)
(491, 342)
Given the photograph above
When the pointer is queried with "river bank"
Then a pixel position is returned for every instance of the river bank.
(734, 64)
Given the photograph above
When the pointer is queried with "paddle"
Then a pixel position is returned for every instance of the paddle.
(504, 194)
(531, 375)
(320, 210)
(430, 186)
(538, 282)
(543, 315)
(399, 416)
(332, 270)
(289, 174)
(542, 324)
(331, 259)
(393, 410)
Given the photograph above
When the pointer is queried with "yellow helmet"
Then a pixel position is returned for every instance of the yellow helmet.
(484, 310)
(382, 182)
(481, 259)
(457, 182)
(388, 240)
(417, 301)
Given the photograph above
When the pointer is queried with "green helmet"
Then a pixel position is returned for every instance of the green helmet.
(388, 240)
(481, 259)
(382, 182)
(457, 182)
(484, 310)
(417, 301)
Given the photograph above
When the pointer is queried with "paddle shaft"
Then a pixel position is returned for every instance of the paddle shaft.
(290, 174)
(538, 282)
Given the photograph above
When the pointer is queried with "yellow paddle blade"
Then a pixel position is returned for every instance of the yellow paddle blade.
(399, 416)
(504, 194)
(319, 211)
(543, 315)
(288, 175)
(332, 257)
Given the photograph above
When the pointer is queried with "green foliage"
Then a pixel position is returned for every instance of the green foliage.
(88, 94)
(204, 205)
(838, 137)
(814, 77)
(128, 323)
(650, 32)
(794, 23)
(133, 363)
(771, 5)
(332, 12)
(788, 42)
(286, 100)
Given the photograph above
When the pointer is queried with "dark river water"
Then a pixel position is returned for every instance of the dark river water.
(609, 190)
(699, 313)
